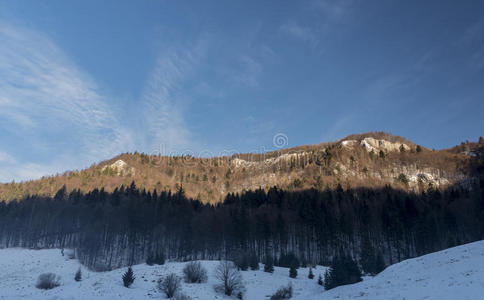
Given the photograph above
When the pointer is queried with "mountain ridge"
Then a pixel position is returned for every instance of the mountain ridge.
(373, 159)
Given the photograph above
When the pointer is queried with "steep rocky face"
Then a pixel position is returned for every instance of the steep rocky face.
(371, 144)
(120, 168)
(368, 160)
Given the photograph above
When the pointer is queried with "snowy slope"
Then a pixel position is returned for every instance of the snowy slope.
(456, 273)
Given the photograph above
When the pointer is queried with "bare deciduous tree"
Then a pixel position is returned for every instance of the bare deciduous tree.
(230, 278)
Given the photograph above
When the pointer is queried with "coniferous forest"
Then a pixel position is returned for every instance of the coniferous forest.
(374, 226)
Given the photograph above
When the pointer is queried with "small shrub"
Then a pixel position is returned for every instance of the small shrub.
(292, 272)
(403, 178)
(310, 275)
(170, 285)
(48, 281)
(128, 278)
(229, 277)
(78, 276)
(194, 272)
(284, 292)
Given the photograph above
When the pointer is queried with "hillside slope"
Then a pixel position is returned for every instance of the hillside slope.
(363, 160)
(455, 273)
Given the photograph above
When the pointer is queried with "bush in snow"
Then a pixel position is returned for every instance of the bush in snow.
(194, 272)
(48, 281)
(78, 276)
(169, 285)
(128, 278)
(284, 292)
(229, 277)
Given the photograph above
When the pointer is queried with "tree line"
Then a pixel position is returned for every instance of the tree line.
(376, 227)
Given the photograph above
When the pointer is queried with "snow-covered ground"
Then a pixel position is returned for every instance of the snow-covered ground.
(456, 273)
(19, 269)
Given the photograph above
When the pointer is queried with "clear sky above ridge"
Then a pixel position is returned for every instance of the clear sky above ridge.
(83, 81)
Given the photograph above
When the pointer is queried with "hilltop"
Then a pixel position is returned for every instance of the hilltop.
(361, 160)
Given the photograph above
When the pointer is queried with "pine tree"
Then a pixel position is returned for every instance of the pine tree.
(343, 270)
(367, 256)
(379, 263)
(78, 276)
(269, 264)
(320, 280)
(292, 272)
(254, 262)
(128, 277)
(159, 259)
(327, 279)
(310, 275)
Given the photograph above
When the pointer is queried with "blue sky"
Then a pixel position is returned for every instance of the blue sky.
(82, 81)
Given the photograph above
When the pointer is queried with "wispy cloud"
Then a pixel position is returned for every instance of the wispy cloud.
(44, 96)
(332, 10)
(297, 31)
(163, 100)
(326, 13)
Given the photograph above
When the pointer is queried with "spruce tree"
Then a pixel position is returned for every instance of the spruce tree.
(327, 279)
(379, 263)
(310, 275)
(320, 280)
(293, 271)
(128, 277)
(269, 264)
(78, 276)
(254, 262)
(344, 270)
(367, 256)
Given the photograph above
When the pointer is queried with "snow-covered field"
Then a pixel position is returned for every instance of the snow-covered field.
(19, 269)
(456, 273)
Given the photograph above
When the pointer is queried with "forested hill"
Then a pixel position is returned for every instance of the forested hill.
(371, 160)
(129, 225)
